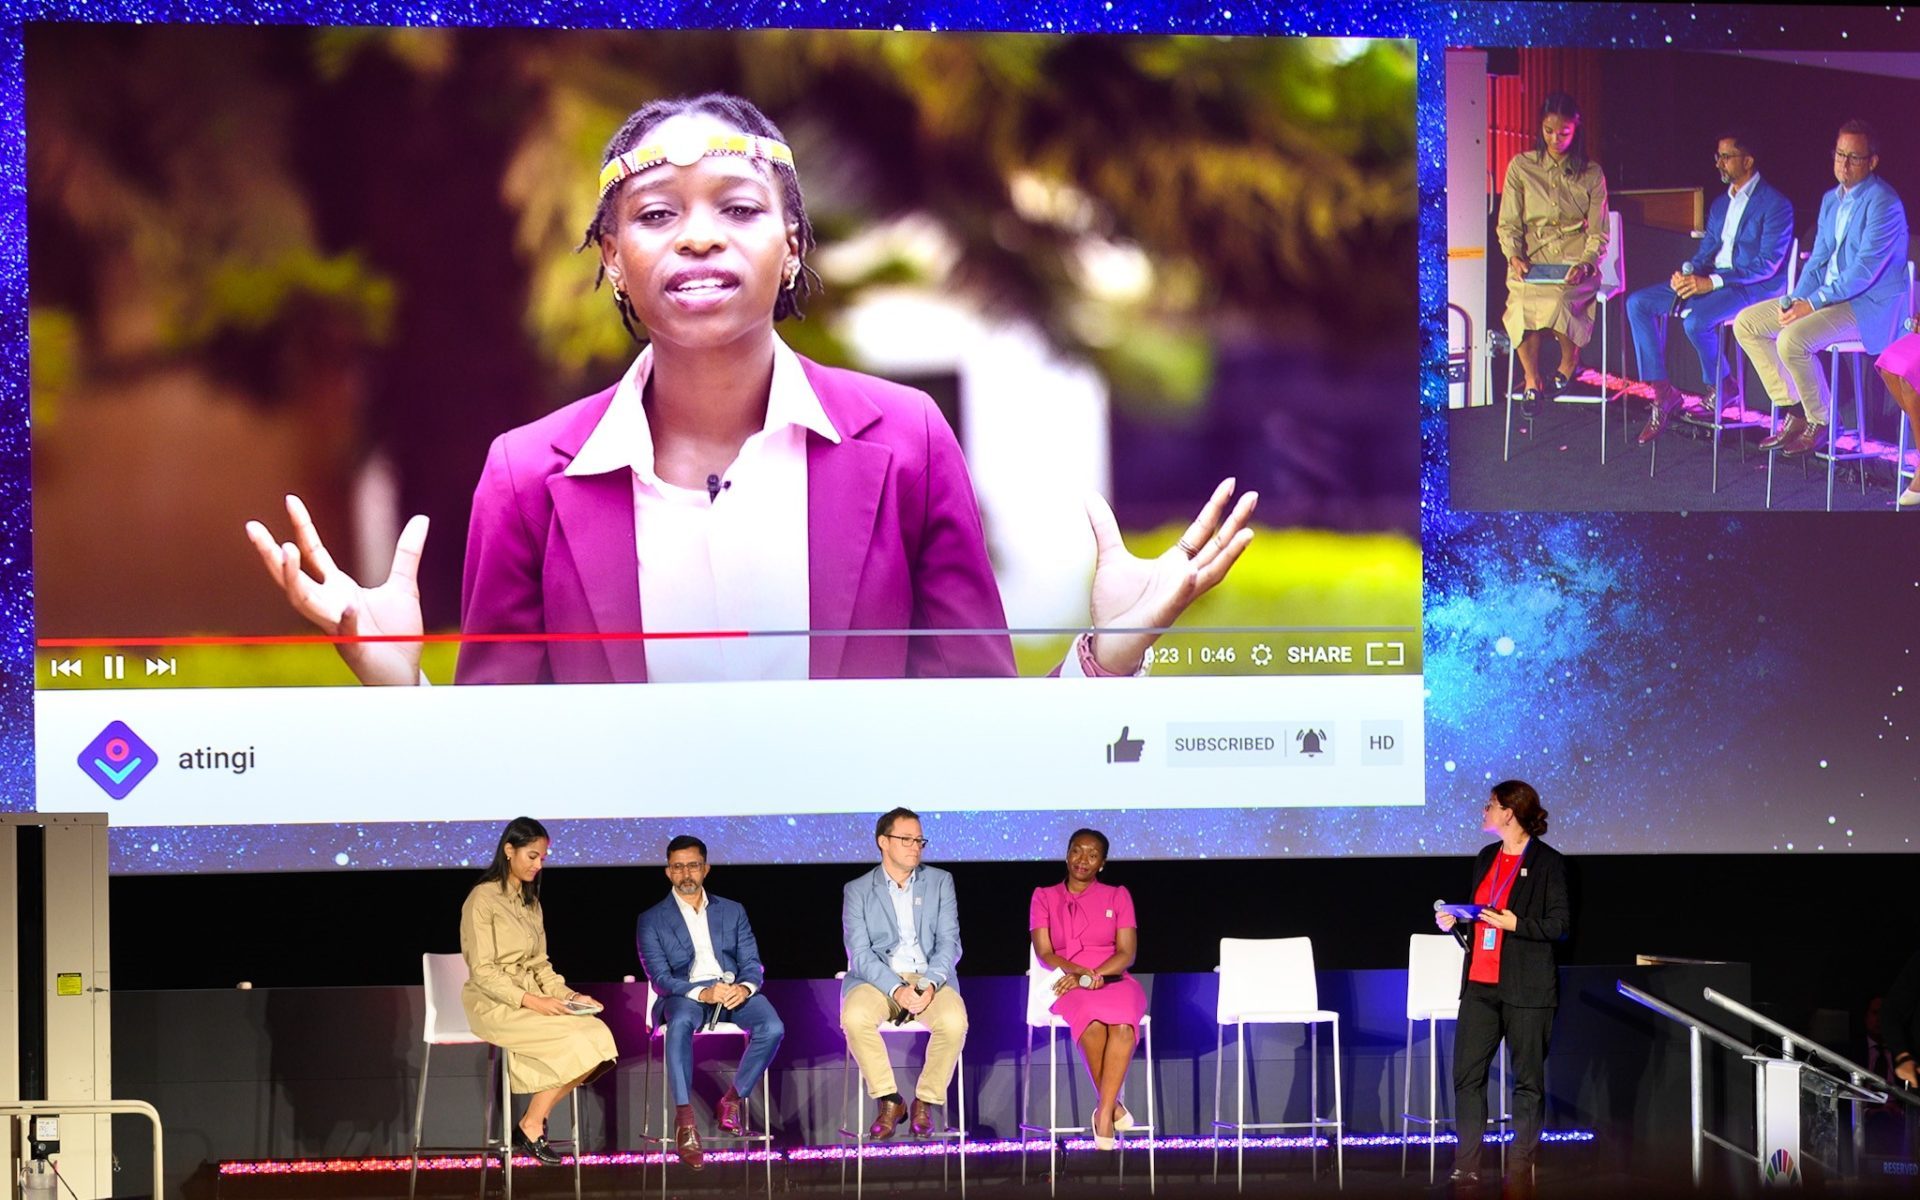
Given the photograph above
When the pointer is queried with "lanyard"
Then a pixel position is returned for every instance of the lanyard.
(1497, 895)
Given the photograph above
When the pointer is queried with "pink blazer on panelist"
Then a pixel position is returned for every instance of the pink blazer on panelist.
(893, 542)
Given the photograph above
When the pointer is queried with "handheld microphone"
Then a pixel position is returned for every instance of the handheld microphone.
(714, 1010)
(1686, 268)
(716, 485)
(906, 1016)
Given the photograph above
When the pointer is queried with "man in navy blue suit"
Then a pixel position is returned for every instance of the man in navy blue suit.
(1741, 260)
(702, 960)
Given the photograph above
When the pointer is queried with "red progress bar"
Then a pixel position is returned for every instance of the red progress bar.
(322, 639)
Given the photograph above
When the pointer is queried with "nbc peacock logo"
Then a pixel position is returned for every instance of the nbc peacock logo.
(1781, 1168)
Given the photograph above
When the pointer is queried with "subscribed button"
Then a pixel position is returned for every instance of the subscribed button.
(1249, 744)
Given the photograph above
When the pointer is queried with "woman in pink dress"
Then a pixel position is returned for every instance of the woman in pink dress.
(1085, 929)
(1899, 368)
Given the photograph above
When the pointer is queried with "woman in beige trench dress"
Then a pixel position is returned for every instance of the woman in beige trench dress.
(513, 996)
(1553, 209)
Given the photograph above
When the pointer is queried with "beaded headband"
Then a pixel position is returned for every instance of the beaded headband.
(685, 148)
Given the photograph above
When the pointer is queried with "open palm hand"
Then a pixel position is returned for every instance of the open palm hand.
(339, 606)
(1137, 598)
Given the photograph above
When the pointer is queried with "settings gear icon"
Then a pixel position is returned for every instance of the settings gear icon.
(1262, 655)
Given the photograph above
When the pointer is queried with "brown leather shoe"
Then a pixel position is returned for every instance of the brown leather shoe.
(922, 1117)
(730, 1115)
(686, 1139)
(1791, 428)
(1666, 402)
(886, 1115)
(1709, 411)
(1810, 438)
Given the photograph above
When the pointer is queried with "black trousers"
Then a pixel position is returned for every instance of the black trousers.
(1484, 1020)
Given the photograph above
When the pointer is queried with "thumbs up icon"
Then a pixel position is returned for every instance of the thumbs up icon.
(1126, 749)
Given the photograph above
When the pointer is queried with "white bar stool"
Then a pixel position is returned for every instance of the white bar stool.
(1039, 1015)
(1613, 276)
(1433, 995)
(1271, 981)
(658, 1034)
(853, 1086)
(445, 1024)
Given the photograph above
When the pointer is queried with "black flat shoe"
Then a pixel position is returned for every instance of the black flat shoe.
(1558, 385)
(1530, 404)
(535, 1147)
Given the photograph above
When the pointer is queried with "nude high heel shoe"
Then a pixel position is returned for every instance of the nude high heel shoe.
(1099, 1142)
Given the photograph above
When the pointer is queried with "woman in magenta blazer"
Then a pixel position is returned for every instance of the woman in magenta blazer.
(1085, 930)
(703, 234)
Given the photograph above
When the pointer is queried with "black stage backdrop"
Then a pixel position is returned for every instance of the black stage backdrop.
(1666, 109)
(1821, 932)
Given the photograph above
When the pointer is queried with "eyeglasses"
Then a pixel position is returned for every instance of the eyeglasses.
(1720, 158)
(1489, 804)
(918, 843)
(683, 867)
(1843, 156)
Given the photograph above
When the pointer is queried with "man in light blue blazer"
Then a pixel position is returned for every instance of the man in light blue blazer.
(902, 933)
(704, 965)
(1853, 288)
(1741, 260)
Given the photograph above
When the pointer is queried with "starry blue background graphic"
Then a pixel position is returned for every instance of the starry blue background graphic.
(1669, 681)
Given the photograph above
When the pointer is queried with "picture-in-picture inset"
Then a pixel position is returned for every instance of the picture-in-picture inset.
(1683, 281)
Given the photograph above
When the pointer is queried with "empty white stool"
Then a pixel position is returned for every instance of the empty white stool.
(1271, 981)
(1433, 996)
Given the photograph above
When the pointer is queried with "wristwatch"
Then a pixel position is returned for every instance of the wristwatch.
(1085, 980)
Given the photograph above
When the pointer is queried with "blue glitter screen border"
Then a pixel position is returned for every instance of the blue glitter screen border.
(1462, 550)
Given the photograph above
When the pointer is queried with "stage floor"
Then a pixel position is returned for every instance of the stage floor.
(1569, 1169)
(1554, 1181)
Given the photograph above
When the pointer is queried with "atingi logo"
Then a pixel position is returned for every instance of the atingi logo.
(117, 759)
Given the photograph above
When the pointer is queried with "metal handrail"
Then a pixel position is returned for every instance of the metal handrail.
(1688, 1019)
(101, 1108)
(1697, 1030)
(1858, 1088)
(1869, 1087)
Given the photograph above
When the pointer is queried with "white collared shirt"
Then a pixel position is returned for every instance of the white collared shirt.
(736, 561)
(907, 958)
(706, 964)
(1737, 198)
